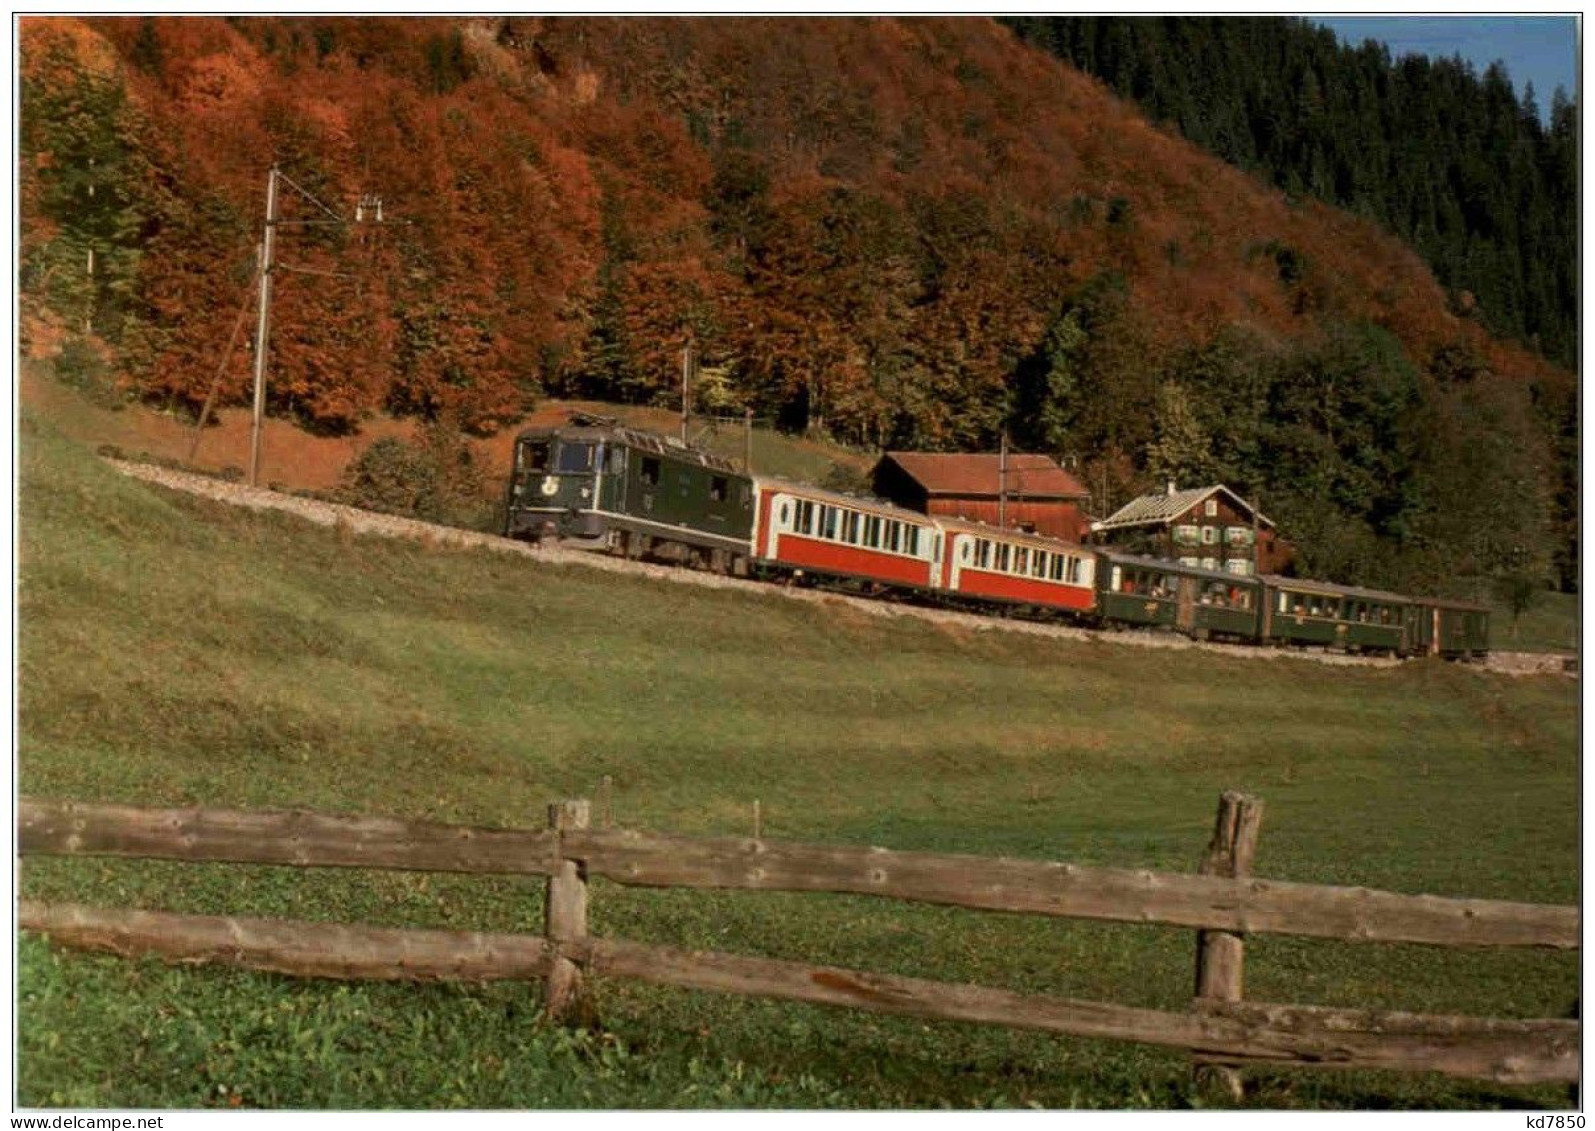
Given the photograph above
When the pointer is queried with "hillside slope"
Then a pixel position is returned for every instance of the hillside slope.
(902, 232)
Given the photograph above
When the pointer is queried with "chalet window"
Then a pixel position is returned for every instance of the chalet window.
(650, 471)
(1210, 508)
(719, 486)
(1238, 535)
(1209, 535)
(1238, 565)
(1191, 562)
(1187, 535)
(1209, 563)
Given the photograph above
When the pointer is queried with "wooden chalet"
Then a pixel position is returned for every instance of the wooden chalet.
(1028, 492)
(1208, 527)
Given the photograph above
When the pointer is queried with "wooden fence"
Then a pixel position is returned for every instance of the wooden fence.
(1222, 902)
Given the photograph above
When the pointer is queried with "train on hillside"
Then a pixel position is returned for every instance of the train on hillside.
(601, 486)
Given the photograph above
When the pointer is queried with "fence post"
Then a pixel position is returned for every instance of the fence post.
(565, 912)
(1220, 954)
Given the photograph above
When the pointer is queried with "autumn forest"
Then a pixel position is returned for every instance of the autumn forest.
(889, 232)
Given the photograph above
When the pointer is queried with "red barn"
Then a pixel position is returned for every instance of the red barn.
(1031, 492)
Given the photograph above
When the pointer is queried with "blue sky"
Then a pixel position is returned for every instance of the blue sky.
(1538, 49)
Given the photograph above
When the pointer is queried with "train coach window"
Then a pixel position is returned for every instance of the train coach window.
(1038, 564)
(850, 526)
(650, 471)
(1074, 571)
(1284, 601)
(805, 517)
(1059, 563)
(894, 536)
(786, 515)
(872, 531)
(1021, 560)
(964, 554)
(911, 540)
(719, 487)
(1004, 552)
(828, 516)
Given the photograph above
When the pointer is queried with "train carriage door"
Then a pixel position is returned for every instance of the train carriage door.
(1185, 611)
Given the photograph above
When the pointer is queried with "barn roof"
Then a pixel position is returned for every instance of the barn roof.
(1165, 507)
(970, 475)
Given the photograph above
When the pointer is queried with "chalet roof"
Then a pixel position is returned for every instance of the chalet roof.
(1165, 507)
(971, 475)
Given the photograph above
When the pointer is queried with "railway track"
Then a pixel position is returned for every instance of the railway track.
(433, 534)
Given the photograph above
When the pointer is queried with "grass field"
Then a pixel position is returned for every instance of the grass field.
(174, 651)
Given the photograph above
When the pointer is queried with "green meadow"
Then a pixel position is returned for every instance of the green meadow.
(179, 652)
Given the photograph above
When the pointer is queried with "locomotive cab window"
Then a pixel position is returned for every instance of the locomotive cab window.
(576, 457)
(719, 487)
(650, 471)
(533, 456)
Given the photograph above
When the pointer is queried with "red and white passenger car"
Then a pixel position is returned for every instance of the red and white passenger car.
(802, 528)
(987, 564)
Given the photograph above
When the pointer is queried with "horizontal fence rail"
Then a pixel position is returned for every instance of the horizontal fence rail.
(1512, 1052)
(61, 828)
(1073, 890)
(1222, 902)
(984, 883)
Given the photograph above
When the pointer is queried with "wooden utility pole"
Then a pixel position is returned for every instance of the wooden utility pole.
(263, 326)
(747, 459)
(1257, 542)
(1002, 482)
(686, 375)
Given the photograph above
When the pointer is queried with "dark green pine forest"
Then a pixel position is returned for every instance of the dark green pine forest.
(1450, 161)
